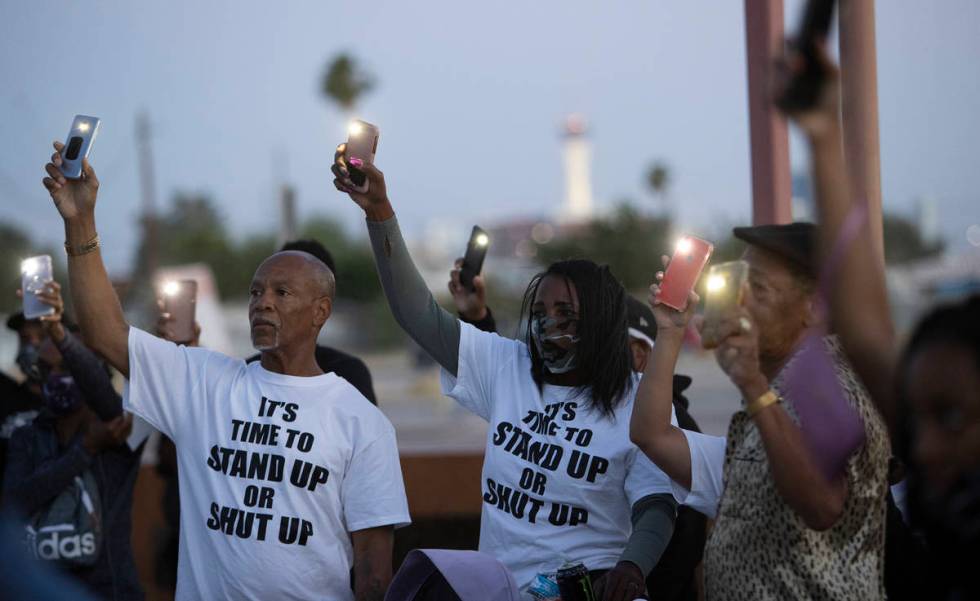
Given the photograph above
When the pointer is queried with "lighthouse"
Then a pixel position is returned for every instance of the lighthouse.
(577, 156)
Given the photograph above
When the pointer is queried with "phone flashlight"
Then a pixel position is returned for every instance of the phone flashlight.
(35, 274)
(482, 240)
(716, 283)
(29, 267)
(171, 288)
(684, 246)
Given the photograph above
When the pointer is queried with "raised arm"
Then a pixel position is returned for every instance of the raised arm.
(650, 427)
(411, 302)
(99, 313)
(864, 326)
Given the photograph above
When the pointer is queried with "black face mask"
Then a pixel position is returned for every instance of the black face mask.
(61, 394)
(954, 514)
(556, 359)
(29, 362)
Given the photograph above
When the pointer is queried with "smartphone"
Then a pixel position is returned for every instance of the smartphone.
(683, 271)
(35, 274)
(476, 252)
(81, 136)
(725, 289)
(362, 142)
(179, 299)
(803, 91)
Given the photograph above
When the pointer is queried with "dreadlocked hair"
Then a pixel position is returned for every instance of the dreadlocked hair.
(603, 353)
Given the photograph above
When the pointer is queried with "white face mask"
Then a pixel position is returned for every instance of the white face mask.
(556, 359)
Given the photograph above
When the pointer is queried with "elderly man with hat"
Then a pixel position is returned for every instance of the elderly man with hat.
(783, 530)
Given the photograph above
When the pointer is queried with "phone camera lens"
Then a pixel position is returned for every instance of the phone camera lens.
(74, 146)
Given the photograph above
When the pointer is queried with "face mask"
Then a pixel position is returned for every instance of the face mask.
(61, 394)
(556, 359)
(28, 360)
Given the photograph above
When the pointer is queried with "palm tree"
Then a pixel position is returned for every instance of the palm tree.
(344, 83)
(658, 179)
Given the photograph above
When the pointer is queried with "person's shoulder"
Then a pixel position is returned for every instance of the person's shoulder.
(349, 402)
(335, 360)
(479, 341)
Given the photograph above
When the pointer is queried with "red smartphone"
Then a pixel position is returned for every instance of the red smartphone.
(683, 271)
(179, 299)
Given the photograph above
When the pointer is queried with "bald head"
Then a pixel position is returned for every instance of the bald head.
(311, 269)
(290, 299)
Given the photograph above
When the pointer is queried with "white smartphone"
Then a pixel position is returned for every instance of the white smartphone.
(81, 136)
(362, 143)
(35, 274)
(179, 299)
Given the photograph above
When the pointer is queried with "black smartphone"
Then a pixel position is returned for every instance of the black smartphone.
(476, 252)
(804, 90)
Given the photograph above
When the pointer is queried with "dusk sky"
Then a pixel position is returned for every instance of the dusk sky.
(470, 98)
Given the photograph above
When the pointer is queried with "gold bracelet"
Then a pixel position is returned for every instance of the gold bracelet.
(84, 249)
(769, 398)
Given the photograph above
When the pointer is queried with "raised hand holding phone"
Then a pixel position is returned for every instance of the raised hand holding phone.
(362, 146)
(73, 197)
(35, 275)
(470, 301)
(670, 321)
(683, 271)
(374, 202)
(178, 302)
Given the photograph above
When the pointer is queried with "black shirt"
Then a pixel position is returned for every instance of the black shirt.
(346, 366)
(18, 407)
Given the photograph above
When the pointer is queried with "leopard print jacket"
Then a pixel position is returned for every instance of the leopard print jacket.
(760, 549)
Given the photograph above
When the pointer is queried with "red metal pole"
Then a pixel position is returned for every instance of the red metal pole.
(771, 185)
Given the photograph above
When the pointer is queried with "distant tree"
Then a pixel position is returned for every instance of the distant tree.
(904, 243)
(629, 242)
(344, 83)
(357, 277)
(658, 181)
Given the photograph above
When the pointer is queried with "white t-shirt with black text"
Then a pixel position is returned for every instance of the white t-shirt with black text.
(275, 471)
(559, 478)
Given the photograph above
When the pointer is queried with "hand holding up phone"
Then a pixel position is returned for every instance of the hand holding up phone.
(470, 302)
(74, 198)
(375, 200)
(670, 321)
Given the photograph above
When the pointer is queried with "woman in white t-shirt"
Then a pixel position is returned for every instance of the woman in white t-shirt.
(561, 481)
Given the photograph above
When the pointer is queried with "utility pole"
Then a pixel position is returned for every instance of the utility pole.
(148, 219)
(287, 215)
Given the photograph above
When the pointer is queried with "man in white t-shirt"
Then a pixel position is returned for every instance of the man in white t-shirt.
(288, 476)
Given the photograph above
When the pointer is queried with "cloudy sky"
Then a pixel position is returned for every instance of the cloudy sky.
(470, 97)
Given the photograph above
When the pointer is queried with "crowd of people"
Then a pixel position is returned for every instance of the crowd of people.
(286, 477)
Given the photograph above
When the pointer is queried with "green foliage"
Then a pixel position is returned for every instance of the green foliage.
(344, 82)
(357, 277)
(629, 242)
(904, 243)
(194, 231)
